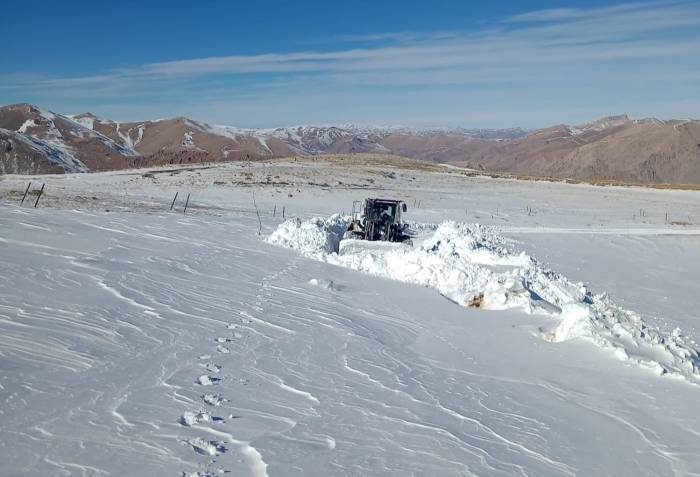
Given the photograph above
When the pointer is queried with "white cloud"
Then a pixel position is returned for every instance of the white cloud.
(652, 44)
(612, 33)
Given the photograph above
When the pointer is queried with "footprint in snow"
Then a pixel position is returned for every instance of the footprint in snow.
(324, 284)
(214, 399)
(221, 339)
(203, 447)
(190, 418)
(205, 380)
(211, 367)
(223, 349)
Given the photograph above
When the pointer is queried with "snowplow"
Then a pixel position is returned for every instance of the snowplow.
(378, 220)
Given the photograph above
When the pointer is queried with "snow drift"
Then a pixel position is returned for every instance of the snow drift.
(473, 266)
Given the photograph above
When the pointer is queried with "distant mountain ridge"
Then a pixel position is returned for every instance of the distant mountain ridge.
(34, 140)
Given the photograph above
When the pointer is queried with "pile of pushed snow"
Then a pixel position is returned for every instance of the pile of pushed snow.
(472, 265)
(311, 237)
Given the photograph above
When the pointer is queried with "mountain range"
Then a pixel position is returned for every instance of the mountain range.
(34, 140)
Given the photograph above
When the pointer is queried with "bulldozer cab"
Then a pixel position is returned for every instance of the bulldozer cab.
(381, 219)
(385, 210)
(378, 209)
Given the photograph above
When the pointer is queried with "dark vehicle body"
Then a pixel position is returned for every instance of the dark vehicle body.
(380, 220)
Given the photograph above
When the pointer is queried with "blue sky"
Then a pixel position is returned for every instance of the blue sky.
(427, 63)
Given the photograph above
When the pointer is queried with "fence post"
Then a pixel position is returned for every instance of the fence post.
(174, 199)
(258, 214)
(39, 196)
(25, 194)
(274, 211)
(186, 203)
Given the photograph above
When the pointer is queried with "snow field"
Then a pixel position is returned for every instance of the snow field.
(109, 319)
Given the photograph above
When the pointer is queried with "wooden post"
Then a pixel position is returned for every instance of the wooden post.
(186, 202)
(174, 199)
(258, 214)
(282, 211)
(39, 196)
(274, 211)
(25, 194)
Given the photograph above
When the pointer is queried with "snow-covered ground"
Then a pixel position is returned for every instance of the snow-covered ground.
(135, 340)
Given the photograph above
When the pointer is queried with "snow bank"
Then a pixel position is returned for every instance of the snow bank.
(471, 265)
(311, 237)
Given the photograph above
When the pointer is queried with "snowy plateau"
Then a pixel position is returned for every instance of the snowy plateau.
(532, 328)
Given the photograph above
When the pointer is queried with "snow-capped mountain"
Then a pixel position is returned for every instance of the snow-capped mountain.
(478, 133)
(185, 133)
(46, 141)
(615, 147)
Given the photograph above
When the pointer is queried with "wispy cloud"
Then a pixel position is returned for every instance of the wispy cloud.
(650, 42)
(607, 12)
(613, 33)
(398, 37)
(552, 14)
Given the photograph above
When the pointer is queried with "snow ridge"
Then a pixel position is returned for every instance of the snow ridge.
(55, 151)
(309, 139)
(472, 265)
(81, 130)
